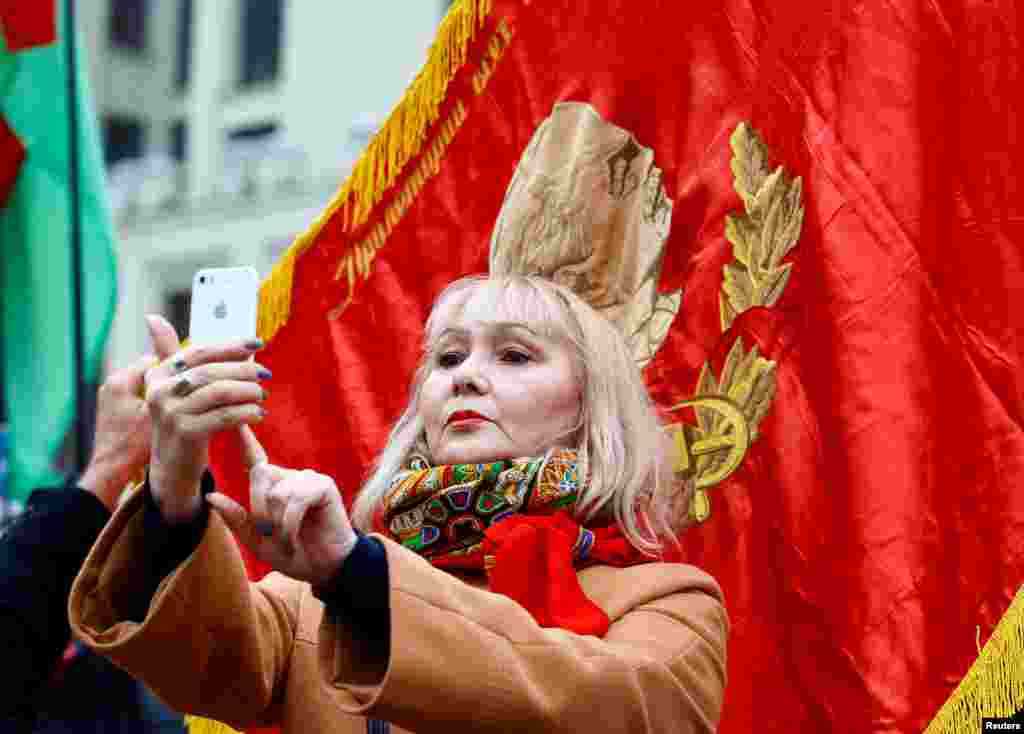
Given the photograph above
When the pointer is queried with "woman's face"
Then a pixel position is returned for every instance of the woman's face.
(498, 390)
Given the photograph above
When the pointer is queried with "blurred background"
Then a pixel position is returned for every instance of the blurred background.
(227, 126)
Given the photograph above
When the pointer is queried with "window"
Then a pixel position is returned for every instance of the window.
(261, 41)
(179, 141)
(253, 132)
(123, 137)
(128, 24)
(183, 60)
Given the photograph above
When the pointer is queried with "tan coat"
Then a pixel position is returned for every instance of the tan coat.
(462, 658)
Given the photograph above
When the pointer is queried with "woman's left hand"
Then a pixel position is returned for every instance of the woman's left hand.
(298, 523)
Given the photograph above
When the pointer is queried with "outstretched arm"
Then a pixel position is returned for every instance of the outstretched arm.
(206, 641)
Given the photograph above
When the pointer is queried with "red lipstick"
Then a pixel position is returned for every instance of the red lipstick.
(465, 415)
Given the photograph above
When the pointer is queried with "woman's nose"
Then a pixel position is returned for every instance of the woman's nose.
(469, 379)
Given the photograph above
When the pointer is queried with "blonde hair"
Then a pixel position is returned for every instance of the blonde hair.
(623, 448)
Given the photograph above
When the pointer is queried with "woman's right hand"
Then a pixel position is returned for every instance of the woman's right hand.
(191, 395)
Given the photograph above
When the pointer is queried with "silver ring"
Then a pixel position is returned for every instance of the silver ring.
(264, 528)
(183, 388)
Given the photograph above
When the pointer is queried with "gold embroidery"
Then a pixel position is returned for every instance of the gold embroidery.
(586, 208)
(650, 320)
(763, 236)
(355, 264)
(729, 410)
(748, 380)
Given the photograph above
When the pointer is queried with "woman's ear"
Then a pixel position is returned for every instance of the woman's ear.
(421, 450)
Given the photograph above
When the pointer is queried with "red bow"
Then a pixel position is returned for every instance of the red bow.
(532, 559)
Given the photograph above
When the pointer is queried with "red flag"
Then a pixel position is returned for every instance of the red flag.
(877, 514)
(28, 24)
(12, 153)
(22, 27)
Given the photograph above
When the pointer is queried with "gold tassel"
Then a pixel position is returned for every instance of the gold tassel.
(199, 725)
(994, 686)
(355, 264)
(400, 138)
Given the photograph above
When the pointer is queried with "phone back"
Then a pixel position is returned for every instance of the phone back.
(224, 305)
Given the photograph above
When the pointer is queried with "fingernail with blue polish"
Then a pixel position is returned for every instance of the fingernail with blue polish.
(264, 374)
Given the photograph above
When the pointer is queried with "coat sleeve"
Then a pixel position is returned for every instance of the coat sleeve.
(211, 643)
(40, 553)
(463, 656)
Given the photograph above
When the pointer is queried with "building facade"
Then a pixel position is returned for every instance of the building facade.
(229, 124)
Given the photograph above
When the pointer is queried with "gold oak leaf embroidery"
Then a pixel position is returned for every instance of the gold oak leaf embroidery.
(729, 410)
(730, 407)
(765, 234)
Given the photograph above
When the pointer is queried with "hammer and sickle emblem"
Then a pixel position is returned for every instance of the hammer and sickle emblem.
(732, 436)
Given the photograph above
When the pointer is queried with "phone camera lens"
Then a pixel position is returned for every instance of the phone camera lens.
(202, 278)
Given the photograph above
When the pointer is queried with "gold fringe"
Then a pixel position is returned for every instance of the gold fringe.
(398, 141)
(994, 686)
(499, 42)
(354, 265)
(199, 725)
(276, 292)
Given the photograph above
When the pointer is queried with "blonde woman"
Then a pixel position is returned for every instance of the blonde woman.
(499, 571)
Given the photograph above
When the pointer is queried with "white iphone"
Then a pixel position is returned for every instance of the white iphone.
(224, 305)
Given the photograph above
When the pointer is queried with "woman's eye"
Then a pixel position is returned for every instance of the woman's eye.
(515, 356)
(447, 360)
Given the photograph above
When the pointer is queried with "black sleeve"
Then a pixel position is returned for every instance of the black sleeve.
(41, 552)
(358, 594)
(170, 545)
(365, 570)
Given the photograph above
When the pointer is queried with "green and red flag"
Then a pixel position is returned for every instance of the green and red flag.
(36, 275)
(807, 219)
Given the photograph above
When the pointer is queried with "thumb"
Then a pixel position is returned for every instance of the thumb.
(234, 516)
(165, 338)
(132, 378)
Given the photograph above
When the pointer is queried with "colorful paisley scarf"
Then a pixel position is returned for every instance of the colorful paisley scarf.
(513, 520)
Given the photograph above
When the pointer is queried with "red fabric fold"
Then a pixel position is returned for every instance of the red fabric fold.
(530, 560)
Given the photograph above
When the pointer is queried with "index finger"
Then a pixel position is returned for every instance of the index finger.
(252, 450)
(238, 350)
(165, 338)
